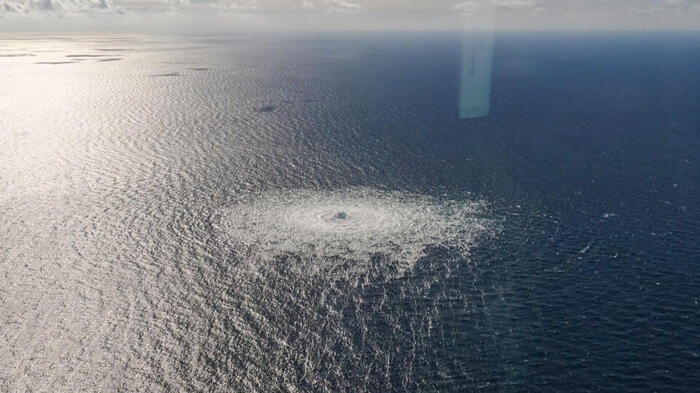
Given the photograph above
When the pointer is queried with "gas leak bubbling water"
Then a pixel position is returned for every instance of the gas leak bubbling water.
(352, 224)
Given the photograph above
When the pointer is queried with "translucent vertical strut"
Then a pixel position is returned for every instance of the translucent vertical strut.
(475, 79)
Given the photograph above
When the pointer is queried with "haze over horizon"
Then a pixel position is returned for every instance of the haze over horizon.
(214, 16)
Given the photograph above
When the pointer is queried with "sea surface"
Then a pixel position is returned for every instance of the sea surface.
(309, 213)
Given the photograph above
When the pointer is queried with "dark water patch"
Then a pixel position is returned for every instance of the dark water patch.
(110, 59)
(113, 49)
(167, 74)
(84, 56)
(265, 109)
(55, 62)
(199, 69)
(18, 55)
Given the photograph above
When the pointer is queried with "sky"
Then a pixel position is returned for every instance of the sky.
(208, 16)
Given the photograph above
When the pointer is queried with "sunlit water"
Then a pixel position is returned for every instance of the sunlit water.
(309, 214)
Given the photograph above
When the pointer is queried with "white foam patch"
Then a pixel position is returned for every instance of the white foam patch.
(353, 224)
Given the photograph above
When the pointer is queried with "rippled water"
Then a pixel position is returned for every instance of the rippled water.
(355, 224)
(308, 214)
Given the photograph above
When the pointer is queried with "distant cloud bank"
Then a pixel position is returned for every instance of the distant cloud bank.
(63, 7)
(380, 13)
(342, 6)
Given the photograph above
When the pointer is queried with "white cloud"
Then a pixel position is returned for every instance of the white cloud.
(420, 13)
(681, 4)
(243, 5)
(61, 7)
(11, 6)
(665, 7)
(471, 7)
(342, 7)
(273, 6)
(514, 4)
(467, 8)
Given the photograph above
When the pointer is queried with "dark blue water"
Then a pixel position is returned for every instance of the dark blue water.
(597, 135)
(123, 273)
(591, 149)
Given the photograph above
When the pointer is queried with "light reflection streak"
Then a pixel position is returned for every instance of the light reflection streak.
(477, 58)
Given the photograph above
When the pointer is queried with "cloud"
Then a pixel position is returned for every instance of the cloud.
(10, 6)
(177, 3)
(342, 7)
(415, 13)
(61, 7)
(243, 5)
(470, 7)
(278, 9)
(681, 4)
(514, 4)
(307, 5)
(467, 8)
(663, 7)
(276, 6)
